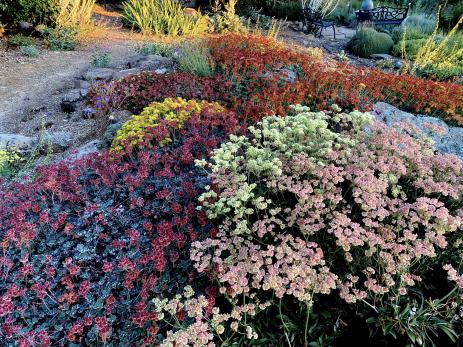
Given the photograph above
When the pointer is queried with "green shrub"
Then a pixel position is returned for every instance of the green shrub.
(368, 41)
(32, 11)
(61, 39)
(158, 48)
(195, 58)
(20, 40)
(30, 51)
(100, 60)
(163, 17)
(10, 159)
(225, 20)
(451, 14)
(416, 26)
(408, 48)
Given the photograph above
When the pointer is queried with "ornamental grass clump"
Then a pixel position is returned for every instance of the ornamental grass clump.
(195, 58)
(368, 41)
(337, 205)
(163, 17)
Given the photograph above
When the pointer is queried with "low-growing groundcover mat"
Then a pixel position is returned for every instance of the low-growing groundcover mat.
(203, 226)
(87, 245)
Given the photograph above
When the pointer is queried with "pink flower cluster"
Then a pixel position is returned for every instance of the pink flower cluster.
(379, 202)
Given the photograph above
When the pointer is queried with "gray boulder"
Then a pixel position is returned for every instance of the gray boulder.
(134, 61)
(447, 141)
(99, 74)
(81, 84)
(286, 74)
(154, 62)
(19, 142)
(59, 141)
(70, 99)
(124, 73)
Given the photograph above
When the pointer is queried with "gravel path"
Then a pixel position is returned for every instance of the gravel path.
(32, 85)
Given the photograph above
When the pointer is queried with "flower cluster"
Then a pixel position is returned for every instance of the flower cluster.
(87, 244)
(324, 201)
(175, 111)
(138, 91)
(256, 77)
(298, 76)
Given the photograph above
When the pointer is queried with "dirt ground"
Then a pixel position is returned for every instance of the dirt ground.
(31, 88)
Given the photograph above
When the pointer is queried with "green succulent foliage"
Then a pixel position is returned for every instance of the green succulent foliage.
(100, 60)
(422, 321)
(30, 51)
(368, 41)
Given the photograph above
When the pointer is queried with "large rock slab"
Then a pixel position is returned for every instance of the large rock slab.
(59, 140)
(99, 74)
(448, 140)
(19, 142)
(124, 73)
(155, 62)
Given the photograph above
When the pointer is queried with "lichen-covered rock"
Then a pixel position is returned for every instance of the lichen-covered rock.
(447, 139)
(19, 142)
(100, 74)
(124, 73)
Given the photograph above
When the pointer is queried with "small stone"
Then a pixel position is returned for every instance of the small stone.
(120, 116)
(87, 149)
(124, 73)
(99, 74)
(398, 64)
(81, 84)
(153, 62)
(25, 25)
(161, 71)
(381, 57)
(83, 93)
(191, 12)
(70, 99)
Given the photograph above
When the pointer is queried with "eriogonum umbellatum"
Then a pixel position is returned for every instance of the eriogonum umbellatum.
(329, 202)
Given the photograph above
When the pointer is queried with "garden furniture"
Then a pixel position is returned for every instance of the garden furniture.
(383, 15)
(315, 20)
